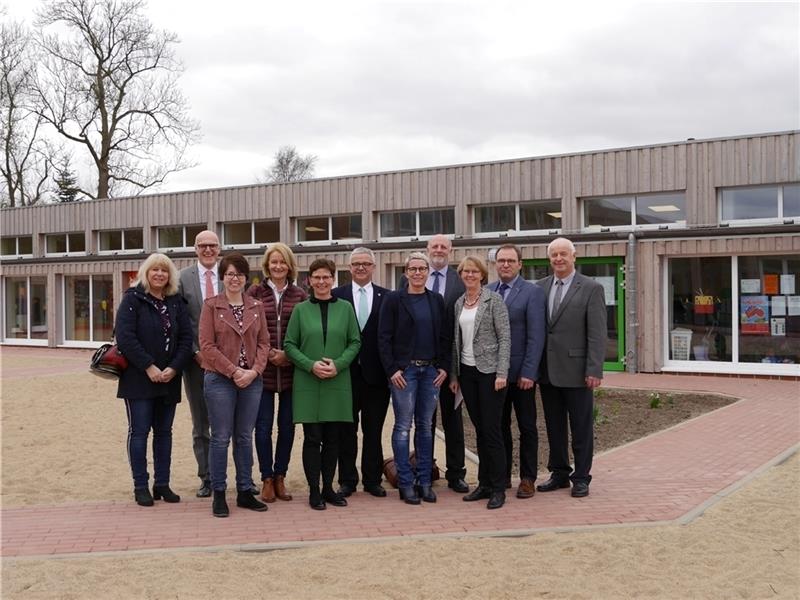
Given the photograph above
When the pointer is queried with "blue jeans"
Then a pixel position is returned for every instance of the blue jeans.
(145, 414)
(232, 413)
(417, 401)
(283, 446)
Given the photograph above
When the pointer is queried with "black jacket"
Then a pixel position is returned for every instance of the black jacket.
(397, 331)
(140, 338)
(368, 362)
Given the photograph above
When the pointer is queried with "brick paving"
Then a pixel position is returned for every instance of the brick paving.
(669, 476)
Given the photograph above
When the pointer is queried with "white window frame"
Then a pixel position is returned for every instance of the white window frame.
(91, 342)
(122, 250)
(28, 341)
(778, 220)
(329, 240)
(16, 248)
(416, 235)
(252, 243)
(633, 224)
(188, 244)
(68, 252)
(510, 232)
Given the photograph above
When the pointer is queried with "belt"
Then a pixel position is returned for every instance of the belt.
(422, 363)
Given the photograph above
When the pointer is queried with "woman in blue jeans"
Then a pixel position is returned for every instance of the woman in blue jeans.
(234, 343)
(414, 340)
(154, 332)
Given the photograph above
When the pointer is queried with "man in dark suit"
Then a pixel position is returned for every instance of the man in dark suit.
(369, 382)
(527, 314)
(196, 283)
(572, 367)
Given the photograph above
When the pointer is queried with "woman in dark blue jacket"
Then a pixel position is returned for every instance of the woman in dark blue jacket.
(154, 333)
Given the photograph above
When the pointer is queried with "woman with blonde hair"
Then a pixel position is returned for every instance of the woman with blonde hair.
(154, 332)
(279, 295)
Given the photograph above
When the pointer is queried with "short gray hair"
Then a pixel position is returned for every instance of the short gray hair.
(561, 239)
(418, 256)
(362, 250)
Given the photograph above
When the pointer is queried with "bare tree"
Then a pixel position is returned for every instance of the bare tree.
(26, 163)
(111, 86)
(290, 166)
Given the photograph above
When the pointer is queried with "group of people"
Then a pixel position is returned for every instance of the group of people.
(446, 338)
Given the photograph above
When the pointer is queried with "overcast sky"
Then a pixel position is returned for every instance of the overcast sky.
(375, 86)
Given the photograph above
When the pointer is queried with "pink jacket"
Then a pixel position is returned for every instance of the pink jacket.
(221, 340)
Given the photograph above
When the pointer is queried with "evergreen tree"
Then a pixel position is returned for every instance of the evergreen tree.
(66, 184)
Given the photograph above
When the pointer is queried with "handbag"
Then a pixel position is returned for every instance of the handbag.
(390, 469)
(108, 362)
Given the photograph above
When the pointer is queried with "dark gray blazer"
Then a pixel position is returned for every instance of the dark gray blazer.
(576, 334)
(491, 342)
(527, 313)
(189, 288)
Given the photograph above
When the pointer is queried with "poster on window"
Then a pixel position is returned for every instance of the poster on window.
(704, 305)
(754, 315)
(771, 284)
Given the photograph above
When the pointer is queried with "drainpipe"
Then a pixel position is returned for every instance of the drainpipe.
(631, 318)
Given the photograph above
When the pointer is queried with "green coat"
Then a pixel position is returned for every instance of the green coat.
(317, 400)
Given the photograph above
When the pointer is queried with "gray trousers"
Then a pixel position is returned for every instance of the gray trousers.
(201, 435)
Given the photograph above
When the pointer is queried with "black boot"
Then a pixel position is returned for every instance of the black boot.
(163, 491)
(246, 499)
(409, 495)
(219, 508)
(426, 493)
(315, 500)
(143, 497)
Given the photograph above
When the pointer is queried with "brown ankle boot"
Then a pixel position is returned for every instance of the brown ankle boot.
(268, 491)
(280, 488)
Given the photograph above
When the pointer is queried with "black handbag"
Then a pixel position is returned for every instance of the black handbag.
(108, 362)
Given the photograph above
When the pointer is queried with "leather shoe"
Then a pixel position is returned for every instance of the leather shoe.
(268, 490)
(315, 500)
(479, 493)
(247, 500)
(508, 483)
(163, 491)
(375, 490)
(426, 493)
(458, 485)
(280, 488)
(143, 497)
(496, 500)
(552, 484)
(409, 496)
(334, 498)
(204, 491)
(526, 489)
(219, 508)
(580, 489)
(346, 490)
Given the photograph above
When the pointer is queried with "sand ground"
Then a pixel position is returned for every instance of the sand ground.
(63, 440)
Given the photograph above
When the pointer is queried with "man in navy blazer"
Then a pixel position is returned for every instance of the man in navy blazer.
(572, 367)
(527, 313)
(369, 382)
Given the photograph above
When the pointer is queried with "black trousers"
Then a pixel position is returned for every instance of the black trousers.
(485, 407)
(524, 404)
(569, 407)
(320, 450)
(453, 427)
(372, 402)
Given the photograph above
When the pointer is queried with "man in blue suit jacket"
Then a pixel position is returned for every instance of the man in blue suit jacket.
(527, 314)
(369, 382)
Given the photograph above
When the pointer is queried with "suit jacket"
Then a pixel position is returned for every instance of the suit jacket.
(453, 287)
(576, 334)
(368, 362)
(527, 313)
(491, 341)
(189, 288)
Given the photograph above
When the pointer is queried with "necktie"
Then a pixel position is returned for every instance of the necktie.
(436, 286)
(363, 309)
(557, 298)
(209, 285)
(504, 290)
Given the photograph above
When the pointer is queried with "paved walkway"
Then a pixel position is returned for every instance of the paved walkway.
(670, 476)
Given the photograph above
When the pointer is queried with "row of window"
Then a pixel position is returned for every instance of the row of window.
(737, 206)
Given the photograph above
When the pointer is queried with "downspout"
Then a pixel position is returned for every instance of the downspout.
(631, 319)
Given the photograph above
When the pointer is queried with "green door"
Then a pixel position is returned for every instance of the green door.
(608, 272)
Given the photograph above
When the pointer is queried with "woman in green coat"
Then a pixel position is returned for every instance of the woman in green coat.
(322, 339)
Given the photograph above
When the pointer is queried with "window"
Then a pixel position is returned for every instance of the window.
(328, 229)
(25, 308)
(531, 216)
(178, 237)
(65, 243)
(88, 308)
(651, 210)
(118, 240)
(417, 223)
(16, 246)
(250, 233)
(742, 206)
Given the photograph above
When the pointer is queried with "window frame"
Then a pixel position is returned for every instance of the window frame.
(780, 219)
(124, 249)
(68, 252)
(517, 219)
(91, 342)
(416, 235)
(17, 253)
(252, 243)
(183, 233)
(634, 224)
(329, 240)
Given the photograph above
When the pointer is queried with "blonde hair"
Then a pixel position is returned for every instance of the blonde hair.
(288, 258)
(158, 260)
(478, 262)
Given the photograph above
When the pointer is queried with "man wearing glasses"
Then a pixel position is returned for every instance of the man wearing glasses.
(369, 382)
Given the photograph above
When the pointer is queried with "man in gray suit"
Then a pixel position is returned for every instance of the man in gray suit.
(197, 283)
(572, 367)
(527, 314)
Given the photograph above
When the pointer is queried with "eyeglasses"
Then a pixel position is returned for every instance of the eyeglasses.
(416, 269)
(235, 275)
(320, 278)
(470, 272)
(361, 265)
(506, 261)
(208, 246)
